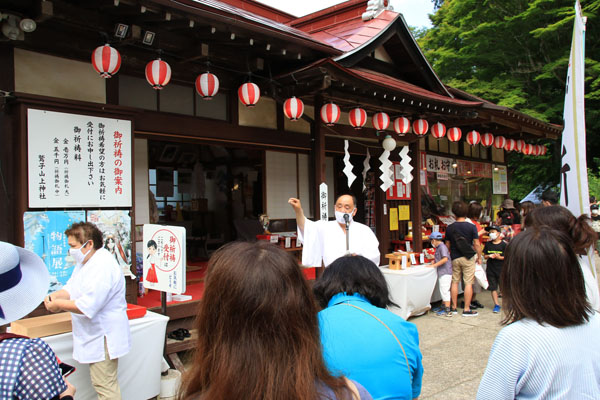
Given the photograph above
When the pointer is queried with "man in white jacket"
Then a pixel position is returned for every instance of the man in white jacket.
(325, 241)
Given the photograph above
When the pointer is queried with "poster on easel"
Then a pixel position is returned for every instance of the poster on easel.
(45, 236)
(164, 258)
(115, 226)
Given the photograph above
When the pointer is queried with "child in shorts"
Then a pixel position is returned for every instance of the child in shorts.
(444, 270)
(493, 252)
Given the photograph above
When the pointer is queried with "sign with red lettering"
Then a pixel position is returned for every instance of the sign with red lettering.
(399, 190)
(164, 258)
(77, 161)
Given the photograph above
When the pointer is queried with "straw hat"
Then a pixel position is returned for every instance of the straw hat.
(508, 204)
(24, 281)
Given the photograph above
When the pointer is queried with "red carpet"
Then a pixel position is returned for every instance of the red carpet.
(196, 290)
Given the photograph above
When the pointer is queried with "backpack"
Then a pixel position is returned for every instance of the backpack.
(464, 247)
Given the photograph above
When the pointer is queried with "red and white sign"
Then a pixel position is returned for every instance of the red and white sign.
(399, 190)
(474, 168)
(164, 258)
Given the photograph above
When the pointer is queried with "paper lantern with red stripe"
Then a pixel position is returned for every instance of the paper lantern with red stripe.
(158, 73)
(473, 137)
(543, 150)
(520, 145)
(536, 150)
(499, 142)
(293, 108)
(401, 125)
(381, 121)
(330, 114)
(511, 145)
(420, 127)
(454, 134)
(249, 94)
(106, 60)
(487, 139)
(528, 149)
(207, 85)
(357, 117)
(438, 130)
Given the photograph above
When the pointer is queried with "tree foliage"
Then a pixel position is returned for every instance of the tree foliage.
(515, 53)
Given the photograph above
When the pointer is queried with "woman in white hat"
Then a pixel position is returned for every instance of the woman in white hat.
(35, 375)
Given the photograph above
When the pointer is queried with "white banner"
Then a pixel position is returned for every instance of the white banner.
(500, 180)
(440, 164)
(77, 161)
(573, 171)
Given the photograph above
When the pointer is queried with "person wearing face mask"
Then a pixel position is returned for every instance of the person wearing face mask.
(95, 297)
(325, 241)
(595, 211)
(493, 252)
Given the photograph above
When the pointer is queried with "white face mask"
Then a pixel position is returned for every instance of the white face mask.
(339, 216)
(111, 245)
(77, 254)
(595, 212)
(494, 235)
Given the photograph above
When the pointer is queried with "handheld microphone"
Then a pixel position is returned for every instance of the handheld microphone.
(347, 218)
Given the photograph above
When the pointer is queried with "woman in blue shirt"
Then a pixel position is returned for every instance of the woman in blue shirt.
(361, 339)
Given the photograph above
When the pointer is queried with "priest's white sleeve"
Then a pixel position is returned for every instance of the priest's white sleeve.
(371, 247)
(312, 245)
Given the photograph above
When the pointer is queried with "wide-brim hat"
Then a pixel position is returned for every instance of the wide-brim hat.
(24, 281)
(508, 204)
(493, 227)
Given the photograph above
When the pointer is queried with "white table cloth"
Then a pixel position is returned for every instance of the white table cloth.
(411, 289)
(139, 370)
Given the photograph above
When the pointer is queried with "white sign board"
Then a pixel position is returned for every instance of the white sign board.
(164, 258)
(323, 202)
(440, 164)
(77, 161)
(500, 180)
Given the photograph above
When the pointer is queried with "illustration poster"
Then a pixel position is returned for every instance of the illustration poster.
(116, 235)
(164, 258)
(44, 235)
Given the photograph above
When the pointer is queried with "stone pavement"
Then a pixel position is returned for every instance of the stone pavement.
(456, 349)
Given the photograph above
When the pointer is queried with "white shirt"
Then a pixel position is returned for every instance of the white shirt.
(533, 361)
(326, 241)
(98, 288)
(591, 283)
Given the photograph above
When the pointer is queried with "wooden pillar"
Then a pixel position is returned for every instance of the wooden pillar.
(415, 202)
(382, 211)
(317, 158)
(10, 150)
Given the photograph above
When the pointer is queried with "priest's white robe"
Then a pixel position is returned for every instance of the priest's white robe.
(326, 241)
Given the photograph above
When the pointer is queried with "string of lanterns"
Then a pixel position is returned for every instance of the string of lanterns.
(106, 60)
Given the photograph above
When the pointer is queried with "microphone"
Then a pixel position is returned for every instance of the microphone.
(347, 218)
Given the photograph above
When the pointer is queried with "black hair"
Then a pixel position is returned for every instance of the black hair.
(541, 279)
(460, 209)
(550, 196)
(346, 194)
(353, 274)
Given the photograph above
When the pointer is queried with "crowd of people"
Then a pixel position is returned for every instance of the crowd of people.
(264, 333)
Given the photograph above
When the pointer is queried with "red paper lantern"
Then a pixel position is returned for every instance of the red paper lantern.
(543, 150)
(207, 85)
(330, 114)
(381, 121)
(158, 73)
(438, 130)
(401, 125)
(511, 145)
(473, 137)
(357, 117)
(499, 142)
(520, 145)
(536, 150)
(527, 149)
(293, 108)
(249, 94)
(106, 61)
(454, 134)
(487, 139)
(420, 127)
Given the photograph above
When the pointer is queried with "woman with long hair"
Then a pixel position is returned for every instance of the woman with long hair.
(549, 348)
(582, 238)
(526, 208)
(363, 340)
(258, 335)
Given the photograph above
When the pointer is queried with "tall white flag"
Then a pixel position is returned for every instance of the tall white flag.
(574, 193)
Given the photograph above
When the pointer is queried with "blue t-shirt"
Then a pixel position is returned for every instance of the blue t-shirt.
(464, 229)
(326, 393)
(440, 252)
(359, 347)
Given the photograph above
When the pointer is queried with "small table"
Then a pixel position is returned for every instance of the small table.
(139, 370)
(411, 289)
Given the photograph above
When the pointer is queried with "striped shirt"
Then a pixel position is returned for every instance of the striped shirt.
(533, 361)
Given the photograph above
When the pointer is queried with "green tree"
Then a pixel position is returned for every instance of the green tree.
(515, 53)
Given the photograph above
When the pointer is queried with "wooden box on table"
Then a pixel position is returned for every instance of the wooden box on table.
(46, 325)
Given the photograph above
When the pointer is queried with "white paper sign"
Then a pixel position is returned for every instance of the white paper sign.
(408, 248)
(164, 258)
(77, 161)
(324, 208)
(288, 242)
(413, 260)
(421, 258)
(404, 262)
(274, 239)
